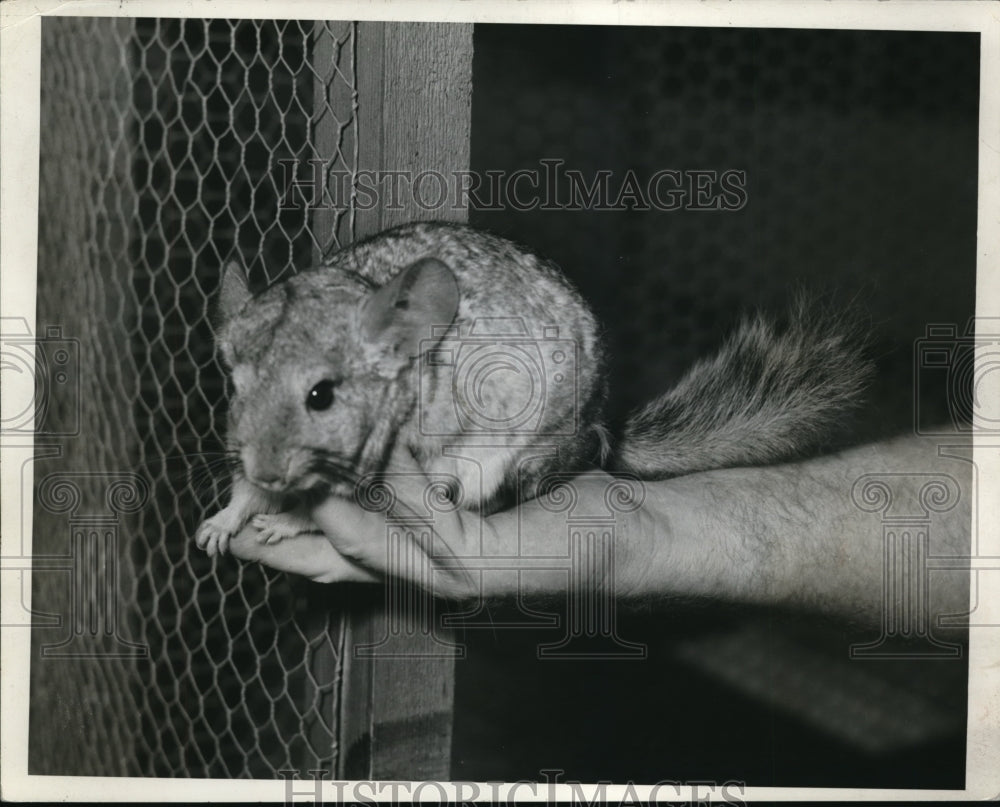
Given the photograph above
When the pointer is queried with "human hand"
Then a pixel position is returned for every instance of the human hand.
(781, 535)
(452, 552)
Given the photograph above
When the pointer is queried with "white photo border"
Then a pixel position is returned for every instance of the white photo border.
(20, 75)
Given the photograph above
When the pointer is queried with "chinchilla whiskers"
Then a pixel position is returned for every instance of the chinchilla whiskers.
(213, 466)
(210, 486)
(210, 457)
(215, 470)
(188, 459)
(334, 468)
(222, 489)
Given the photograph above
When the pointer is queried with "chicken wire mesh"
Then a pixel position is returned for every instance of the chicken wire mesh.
(166, 145)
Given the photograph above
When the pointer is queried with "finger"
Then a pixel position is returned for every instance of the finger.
(356, 533)
(422, 552)
(370, 539)
(308, 554)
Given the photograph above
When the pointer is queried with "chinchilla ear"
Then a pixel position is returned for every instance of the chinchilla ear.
(404, 312)
(235, 290)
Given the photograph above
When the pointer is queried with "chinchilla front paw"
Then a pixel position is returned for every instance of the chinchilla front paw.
(215, 533)
(275, 527)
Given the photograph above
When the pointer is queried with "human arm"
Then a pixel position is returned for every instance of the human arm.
(788, 535)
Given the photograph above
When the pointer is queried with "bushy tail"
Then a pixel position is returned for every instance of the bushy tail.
(770, 394)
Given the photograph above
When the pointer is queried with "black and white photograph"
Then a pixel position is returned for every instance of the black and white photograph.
(500, 402)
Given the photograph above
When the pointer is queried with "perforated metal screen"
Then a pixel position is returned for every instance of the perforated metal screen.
(166, 144)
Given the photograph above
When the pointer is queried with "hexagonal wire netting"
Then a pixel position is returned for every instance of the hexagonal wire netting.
(163, 150)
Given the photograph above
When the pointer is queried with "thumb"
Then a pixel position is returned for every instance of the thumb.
(375, 541)
(306, 554)
(359, 527)
(358, 534)
(403, 484)
(389, 526)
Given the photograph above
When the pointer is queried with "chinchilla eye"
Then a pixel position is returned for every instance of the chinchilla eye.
(320, 397)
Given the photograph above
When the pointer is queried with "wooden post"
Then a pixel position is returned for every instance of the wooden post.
(333, 138)
(415, 93)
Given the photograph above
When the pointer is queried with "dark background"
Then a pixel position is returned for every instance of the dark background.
(860, 150)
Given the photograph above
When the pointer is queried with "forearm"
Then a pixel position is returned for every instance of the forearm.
(808, 535)
(801, 534)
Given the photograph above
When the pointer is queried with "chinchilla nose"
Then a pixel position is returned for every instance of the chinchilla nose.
(266, 477)
(266, 480)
